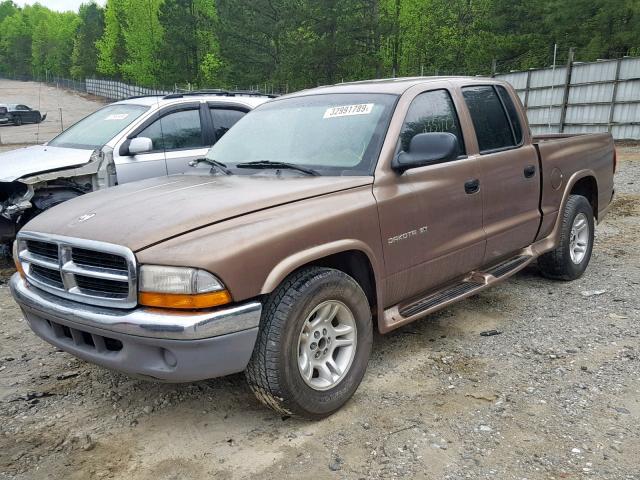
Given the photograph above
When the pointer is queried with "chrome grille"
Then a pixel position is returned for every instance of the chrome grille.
(82, 270)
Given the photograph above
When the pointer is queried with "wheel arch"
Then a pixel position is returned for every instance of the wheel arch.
(587, 186)
(352, 257)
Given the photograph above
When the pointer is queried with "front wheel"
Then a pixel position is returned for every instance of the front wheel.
(314, 344)
(570, 258)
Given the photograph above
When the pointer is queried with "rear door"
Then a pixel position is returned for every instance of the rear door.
(509, 176)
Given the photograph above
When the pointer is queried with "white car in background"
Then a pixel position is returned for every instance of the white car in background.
(125, 141)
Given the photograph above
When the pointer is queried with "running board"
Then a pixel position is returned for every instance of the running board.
(476, 281)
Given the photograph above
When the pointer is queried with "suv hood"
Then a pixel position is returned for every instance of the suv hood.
(140, 214)
(28, 161)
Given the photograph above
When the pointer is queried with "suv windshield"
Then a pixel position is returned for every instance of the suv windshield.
(98, 128)
(337, 134)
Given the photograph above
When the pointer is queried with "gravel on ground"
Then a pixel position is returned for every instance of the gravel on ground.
(554, 395)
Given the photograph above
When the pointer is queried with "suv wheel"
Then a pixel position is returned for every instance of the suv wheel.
(570, 258)
(314, 344)
(18, 121)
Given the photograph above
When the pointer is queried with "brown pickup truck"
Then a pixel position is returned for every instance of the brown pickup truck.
(325, 214)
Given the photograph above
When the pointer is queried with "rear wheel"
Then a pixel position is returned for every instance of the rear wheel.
(570, 258)
(314, 344)
(17, 121)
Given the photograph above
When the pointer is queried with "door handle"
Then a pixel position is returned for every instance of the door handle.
(472, 186)
(529, 171)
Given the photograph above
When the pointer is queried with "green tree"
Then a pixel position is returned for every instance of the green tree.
(84, 57)
(190, 51)
(111, 46)
(15, 44)
(7, 8)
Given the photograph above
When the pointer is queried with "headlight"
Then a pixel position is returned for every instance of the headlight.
(177, 287)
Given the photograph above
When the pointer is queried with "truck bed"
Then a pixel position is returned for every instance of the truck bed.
(564, 156)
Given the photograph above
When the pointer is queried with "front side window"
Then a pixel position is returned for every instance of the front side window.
(489, 118)
(175, 131)
(224, 119)
(333, 134)
(431, 112)
(98, 128)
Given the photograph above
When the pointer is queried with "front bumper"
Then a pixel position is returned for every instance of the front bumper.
(174, 347)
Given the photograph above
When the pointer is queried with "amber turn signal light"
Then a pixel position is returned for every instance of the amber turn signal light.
(16, 260)
(184, 301)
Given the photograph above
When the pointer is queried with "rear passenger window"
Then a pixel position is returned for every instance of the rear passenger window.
(512, 113)
(224, 119)
(489, 118)
(431, 112)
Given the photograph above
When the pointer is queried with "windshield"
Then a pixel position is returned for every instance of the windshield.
(98, 128)
(339, 134)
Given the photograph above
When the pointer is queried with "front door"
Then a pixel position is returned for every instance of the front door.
(430, 217)
(178, 137)
(509, 171)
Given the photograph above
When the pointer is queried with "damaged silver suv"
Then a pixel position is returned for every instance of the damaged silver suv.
(129, 140)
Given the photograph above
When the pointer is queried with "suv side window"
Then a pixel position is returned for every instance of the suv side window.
(176, 131)
(490, 121)
(432, 111)
(512, 112)
(224, 119)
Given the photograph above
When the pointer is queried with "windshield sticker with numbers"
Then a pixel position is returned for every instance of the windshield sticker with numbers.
(115, 116)
(349, 110)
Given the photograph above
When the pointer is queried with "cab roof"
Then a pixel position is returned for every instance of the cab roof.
(395, 86)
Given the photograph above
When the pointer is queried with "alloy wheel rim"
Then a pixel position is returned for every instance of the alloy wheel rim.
(327, 345)
(579, 240)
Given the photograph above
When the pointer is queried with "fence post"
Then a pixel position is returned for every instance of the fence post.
(526, 91)
(616, 82)
(567, 87)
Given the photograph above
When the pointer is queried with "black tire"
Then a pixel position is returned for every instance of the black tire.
(273, 372)
(558, 264)
(18, 121)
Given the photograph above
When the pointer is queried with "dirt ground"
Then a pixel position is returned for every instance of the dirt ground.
(63, 108)
(556, 395)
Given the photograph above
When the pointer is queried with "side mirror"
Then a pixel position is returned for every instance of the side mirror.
(427, 149)
(140, 145)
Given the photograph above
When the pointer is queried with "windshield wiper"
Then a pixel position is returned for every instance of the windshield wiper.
(215, 163)
(270, 164)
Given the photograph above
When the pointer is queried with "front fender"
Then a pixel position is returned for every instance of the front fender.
(253, 253)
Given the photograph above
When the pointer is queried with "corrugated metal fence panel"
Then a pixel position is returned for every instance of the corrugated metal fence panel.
(585, 129)
(628, 91)
(588, 114)
(545, 97)
(630, 68)
(544, 116)
(626, 132)
(548, 77)
(589, 98)
(599, 92)
(517, 79)
(594, 72)
(627, 113)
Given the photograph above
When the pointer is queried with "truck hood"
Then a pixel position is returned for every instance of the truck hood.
(28, 161)
(143, 213)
